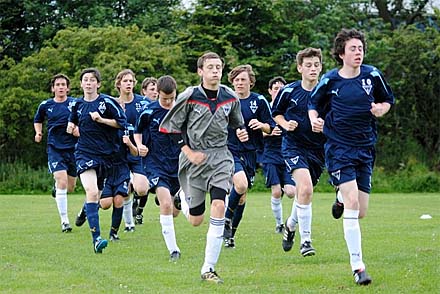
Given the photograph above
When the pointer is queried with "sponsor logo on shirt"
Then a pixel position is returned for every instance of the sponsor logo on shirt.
(294, 101)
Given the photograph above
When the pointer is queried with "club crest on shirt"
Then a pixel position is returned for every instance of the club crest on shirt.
(227, 109)
(253, 106)
(71, 103)
(102, 107)
(138, 107)
(366, 85)
(337, 174)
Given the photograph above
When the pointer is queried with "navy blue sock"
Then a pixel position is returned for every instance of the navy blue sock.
(142, 202)
(116, 219)
(238, 215)
(93, 219)
(234, 198)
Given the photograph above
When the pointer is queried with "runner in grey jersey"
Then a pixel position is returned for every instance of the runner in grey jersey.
(206, 132)
(199, 123)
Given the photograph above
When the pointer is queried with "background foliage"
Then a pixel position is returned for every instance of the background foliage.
(41, 38)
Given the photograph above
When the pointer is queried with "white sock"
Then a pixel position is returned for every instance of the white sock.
(277, 209)
(352, 234)
(127, 212)
(61, 200)
(293, 218)
(305, 221)
(168, 232)
(184, 204)
(339, 196)
(214, 241)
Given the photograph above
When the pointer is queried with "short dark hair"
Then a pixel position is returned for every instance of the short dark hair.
(166, 84)
(92, 70)
(59, 76)
(275, 80)
(308, 52)
(206, 56)
(341, 39)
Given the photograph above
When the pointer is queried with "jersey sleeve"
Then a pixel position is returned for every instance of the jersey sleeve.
(116, 112)
(175, 119)
(235, 116)
(382, 91)
(318, 99)
(236, 119)
(142, 121)
(40, 114)
(281, 103)
(73, 117)
(265, 112)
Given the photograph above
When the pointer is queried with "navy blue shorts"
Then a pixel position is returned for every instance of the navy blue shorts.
(101, 165)
(135, 163)
(247, 162)
(277, 174)
(58, 159)
(299, 157)
(159, 180)
(117, 181)
(347, 163)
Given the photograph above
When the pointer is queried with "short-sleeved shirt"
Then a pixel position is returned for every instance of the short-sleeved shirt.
(346, 103)
(97, 138)
(253, 107)
(57, 114)
(163, 154)
(292, 102)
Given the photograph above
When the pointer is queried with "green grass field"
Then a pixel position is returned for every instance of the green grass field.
(401, 251)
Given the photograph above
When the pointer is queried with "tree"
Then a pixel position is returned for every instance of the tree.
(110, 49)
(26, 25)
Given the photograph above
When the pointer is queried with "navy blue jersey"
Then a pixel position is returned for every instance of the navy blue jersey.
(134, 109)
(253, 107)
(98, 138)
(132, 112)
(57, 115)
(291, 102)
(121, 155)
(345, 104)
(163, 153)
